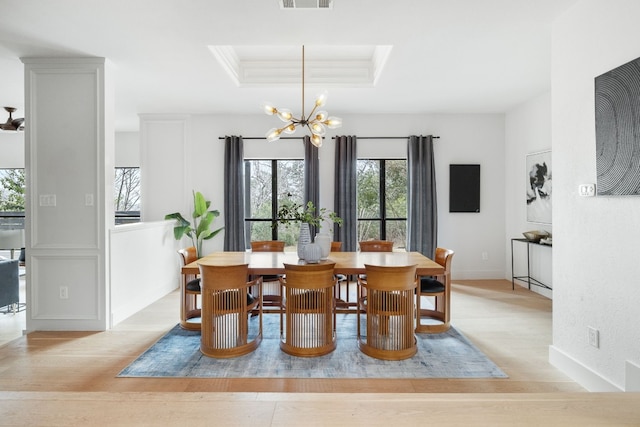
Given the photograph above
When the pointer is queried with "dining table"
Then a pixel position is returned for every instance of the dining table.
(347, 263)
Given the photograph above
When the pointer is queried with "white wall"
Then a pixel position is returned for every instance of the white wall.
(11, 149)
(144, 267)
(164, 166)
(127, 149)
(596, 268)
(463, 139)
(527, 130)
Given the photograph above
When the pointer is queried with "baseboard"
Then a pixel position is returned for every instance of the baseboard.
(579, 372)
(477, 274)
(537, 289)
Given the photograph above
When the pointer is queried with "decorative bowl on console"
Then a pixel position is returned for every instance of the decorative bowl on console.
(535, 235)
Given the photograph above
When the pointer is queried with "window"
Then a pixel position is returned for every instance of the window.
(382, 200)
(127, 195)
(12, 191)
(268, 183)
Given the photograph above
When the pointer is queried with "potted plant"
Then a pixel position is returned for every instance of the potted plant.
(291, 211)
(202, 220)
(306, 215)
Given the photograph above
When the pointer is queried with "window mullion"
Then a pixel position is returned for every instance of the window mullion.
(274, 199)
(383, 200)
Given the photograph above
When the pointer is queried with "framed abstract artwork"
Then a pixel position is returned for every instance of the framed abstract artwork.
(617, 107)
(539, 187)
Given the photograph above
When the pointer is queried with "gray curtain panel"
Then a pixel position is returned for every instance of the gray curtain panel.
(311, 176)
(345, 204)
(422, 222)
(234, 227)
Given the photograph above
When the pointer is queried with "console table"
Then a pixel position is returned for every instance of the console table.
(528, 279)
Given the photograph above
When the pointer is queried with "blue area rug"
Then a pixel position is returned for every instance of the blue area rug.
(445, 355)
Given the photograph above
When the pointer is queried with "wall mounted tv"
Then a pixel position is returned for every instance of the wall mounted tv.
(464, 188)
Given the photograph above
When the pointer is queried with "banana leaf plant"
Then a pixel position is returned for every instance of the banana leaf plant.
(202, 221)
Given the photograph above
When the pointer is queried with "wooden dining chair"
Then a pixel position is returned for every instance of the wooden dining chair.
(190, 292)
(272, 299)
(267, 246)
(437, 318)
(341, 279)
(228, 304)
(376, 246)
(308, 315)
(386, 298)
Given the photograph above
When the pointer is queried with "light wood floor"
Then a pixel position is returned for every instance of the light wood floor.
(69, 378)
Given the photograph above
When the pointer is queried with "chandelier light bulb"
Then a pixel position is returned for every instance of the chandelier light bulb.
(333, 122)
(269, 108)
(285, 115)
(316, 140)
(318, 128)
(321, 99)
(273, 134)
(321, 116)
(289, 129)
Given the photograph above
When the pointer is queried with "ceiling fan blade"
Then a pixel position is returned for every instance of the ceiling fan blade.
(11, 123)
(14, 125)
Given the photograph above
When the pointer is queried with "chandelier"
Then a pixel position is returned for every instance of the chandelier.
(316, 122)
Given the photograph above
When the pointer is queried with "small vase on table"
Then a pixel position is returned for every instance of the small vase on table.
(303, 239)
(324, 241)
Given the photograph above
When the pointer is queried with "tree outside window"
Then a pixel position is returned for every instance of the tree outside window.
(269, 183)
(12, 198)
(12, 188)
(127, 195)
(382, 200)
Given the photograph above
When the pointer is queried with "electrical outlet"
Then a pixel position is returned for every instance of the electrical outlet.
(485, 256)
(64, 292)
(587, 190)
(594, 337)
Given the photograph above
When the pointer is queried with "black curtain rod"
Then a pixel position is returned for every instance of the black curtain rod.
(263, 137)
(333, 137)
(384, 137)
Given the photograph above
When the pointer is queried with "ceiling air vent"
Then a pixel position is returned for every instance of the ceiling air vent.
(306, 4)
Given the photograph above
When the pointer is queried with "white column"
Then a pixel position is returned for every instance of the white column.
(69, 140)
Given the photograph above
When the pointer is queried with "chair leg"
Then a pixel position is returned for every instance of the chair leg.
(440, 314)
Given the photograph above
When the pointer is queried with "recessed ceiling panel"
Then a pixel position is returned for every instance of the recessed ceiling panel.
(329, 66)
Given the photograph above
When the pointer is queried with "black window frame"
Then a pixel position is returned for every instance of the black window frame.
(274, 195)
(382, 193)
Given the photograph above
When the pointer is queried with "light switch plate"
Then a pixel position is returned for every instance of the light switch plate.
(47, 200)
